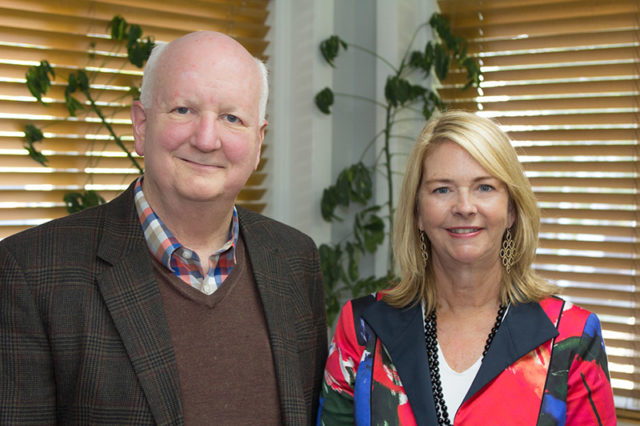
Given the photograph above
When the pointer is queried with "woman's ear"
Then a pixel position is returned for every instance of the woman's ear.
(512, 213)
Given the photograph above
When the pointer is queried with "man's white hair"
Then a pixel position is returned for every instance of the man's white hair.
(149, 79)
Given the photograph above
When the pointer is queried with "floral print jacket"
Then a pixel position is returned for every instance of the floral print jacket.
(546, 366)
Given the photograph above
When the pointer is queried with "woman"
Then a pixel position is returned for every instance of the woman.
(470, 335)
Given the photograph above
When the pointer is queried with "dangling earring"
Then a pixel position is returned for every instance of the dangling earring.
(508, 251)
(423, 247)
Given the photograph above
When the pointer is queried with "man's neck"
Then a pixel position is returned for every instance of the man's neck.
(200, 226)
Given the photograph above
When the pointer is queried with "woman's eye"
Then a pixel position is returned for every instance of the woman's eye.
(182, 110)
(441, 190)
(486, 187)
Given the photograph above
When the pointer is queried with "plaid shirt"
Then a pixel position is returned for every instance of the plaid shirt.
(184, 262)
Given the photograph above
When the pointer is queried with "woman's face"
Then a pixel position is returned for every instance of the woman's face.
(462, 208)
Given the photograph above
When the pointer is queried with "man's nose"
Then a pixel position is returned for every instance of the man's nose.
(207, 135)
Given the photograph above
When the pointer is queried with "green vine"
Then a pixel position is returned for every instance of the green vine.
(353, 188)
(39, 79)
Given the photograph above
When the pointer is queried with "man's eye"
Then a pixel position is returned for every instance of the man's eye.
(182, 110)
(232, 118)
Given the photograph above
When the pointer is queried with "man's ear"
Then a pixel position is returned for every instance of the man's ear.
(260, 139)
(139, 121)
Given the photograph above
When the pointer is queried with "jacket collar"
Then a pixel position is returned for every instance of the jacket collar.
(402, 333)
(133, 299)
(525, 327)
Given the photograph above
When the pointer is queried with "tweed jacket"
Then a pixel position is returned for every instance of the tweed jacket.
(545, 366)
(84, 338)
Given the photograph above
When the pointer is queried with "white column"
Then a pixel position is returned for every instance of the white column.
(299, 136)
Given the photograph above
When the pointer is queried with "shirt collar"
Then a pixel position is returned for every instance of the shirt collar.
(161, 241)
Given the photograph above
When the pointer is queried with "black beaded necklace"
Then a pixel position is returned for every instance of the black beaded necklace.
(431, 340)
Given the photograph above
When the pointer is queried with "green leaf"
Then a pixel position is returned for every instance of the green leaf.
(473, 72)
(118, 27)
(429, 52)
(361, 183)
(38, 81)
(368, 229)
(441, 62)
(374, 233)
(36, 155)
(427, 110)
(397, 91)
(72, 84)
(135, 55)
(416, 91)
(354, 258)
(331, 47)
(417, 59)
(76, 201)
(137, 51)
(438, 22)
(72, 104)
(82, 80)
(324, 100)
(135, 32)
(331, 265)
(142, 53)
(33, 135)
(343, 188)
(328, 204)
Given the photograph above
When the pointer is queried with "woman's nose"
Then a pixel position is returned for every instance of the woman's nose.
(464, 204)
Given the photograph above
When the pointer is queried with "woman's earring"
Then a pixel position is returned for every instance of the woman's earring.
(423, 247)
(508, 251)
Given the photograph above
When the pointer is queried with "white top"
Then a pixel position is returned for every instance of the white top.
(455, 384)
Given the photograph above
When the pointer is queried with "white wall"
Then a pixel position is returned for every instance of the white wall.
(307, 149)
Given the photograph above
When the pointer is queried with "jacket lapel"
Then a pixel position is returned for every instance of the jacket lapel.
(131, 294)
(402, 333)
(525, 327)
(271, 273)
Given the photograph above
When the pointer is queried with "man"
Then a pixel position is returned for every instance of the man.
(169, 305)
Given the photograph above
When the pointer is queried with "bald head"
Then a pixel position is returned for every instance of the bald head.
(203, 46)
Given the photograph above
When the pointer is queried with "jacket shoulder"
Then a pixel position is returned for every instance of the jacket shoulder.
(76, 234)
(569, 319)
(270, 231)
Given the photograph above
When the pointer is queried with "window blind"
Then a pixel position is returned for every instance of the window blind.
(562, 77)
(72, 34)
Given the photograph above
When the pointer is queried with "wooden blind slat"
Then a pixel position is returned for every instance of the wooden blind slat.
(590, 214)
(610, 231)
(582, 150)
(611, 183)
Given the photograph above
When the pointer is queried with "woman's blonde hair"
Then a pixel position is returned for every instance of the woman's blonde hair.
(492, 149)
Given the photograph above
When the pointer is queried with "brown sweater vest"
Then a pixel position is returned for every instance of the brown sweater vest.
(222, 349)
